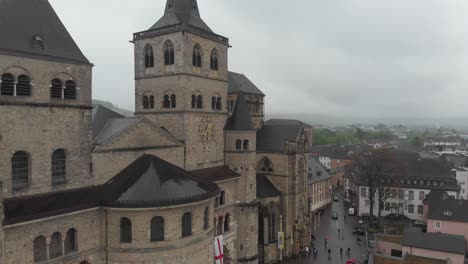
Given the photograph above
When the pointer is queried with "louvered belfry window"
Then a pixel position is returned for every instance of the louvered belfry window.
(168, 53)
(125, 230)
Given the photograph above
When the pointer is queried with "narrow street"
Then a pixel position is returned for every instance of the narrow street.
(328, 228)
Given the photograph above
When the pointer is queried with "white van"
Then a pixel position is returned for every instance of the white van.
(351, 211)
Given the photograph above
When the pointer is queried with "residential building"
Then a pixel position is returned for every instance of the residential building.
(449, 216)
(418, 247)
(319, 190)
(408, 187)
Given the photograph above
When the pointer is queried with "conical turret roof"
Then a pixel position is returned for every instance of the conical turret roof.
(240, 118)
(182, 12)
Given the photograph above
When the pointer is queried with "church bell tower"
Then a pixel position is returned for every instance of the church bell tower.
(181, 81)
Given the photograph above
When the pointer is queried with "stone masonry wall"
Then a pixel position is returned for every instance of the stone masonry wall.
(39, 125)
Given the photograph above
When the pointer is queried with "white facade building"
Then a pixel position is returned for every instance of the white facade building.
(406, 201)
(462, 180)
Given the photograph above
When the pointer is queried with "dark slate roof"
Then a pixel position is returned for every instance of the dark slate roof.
(316, 172)
(240, 117)
(435, 241)
(100, 116)
(265, 188)
(436, 195)
(147, 182)
(239, 83)
(458, 209)
(22, 20)
(184, 12)
(274, 135)
(114, 127)
(215, 174)
(153, 182)
(26, 208)
(331, 151)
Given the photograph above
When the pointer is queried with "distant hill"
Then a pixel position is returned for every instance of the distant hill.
(113, 107)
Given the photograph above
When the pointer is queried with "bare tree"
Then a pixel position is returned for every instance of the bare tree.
(369, 169)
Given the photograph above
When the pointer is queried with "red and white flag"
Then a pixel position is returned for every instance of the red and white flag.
(218, 249)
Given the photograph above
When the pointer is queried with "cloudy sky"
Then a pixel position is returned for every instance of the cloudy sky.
(371, 58)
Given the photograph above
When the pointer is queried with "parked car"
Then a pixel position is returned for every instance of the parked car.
(334, 215)
(353, 261)
(335, 198)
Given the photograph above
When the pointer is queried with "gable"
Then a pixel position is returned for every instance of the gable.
(142, 135)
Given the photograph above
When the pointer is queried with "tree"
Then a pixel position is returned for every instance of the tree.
(369, 168)
(416, 141)
(360, 134)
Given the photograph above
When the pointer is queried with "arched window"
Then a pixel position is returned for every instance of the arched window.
(194, 101)
(149, 56)
(420, 209)
(218, 103)
(7, 86)
(214, 60)
(187, 224)
(70, 241)
(213, 103)
(238, 144)
(20, 170)
(266, 165)
(245, 145)
(222, 198)
(219, 227)
(146, 104)
(227, 218)
(70, 90)
(58, 167)
(173, 101)
(40, 249)
(55, 246)
(125, 230)
(151, 102)
(197, 101)
(411, 209)
(168, 53)
(157, 229)
(197, 56)
(206, 218)
(23, 87)
(56, 88)
(421, 195)
(271, 226)
(167, 101)
(387, 206)
(200, 101)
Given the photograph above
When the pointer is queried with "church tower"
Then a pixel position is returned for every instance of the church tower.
(181, 81)
(241, 155)
(45, 102)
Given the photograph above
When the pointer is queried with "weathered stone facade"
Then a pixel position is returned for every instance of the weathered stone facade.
(191, 138)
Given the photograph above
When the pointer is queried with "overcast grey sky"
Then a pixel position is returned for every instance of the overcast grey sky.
(338, 57)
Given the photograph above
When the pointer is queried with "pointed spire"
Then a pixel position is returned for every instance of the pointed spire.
(182, 12)
(240, 118)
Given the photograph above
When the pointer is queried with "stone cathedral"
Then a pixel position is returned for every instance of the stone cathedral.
(84, 184)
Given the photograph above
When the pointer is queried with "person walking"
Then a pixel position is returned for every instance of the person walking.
(341, 252)
(329, 253)
(349, 252)
(325, 242)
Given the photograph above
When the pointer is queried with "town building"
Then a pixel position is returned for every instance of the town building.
(407, 188)
(417, 247)
(196, 175)
(319, 191)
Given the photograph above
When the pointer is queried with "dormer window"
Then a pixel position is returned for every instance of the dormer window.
(37, 42)
(448, 213)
